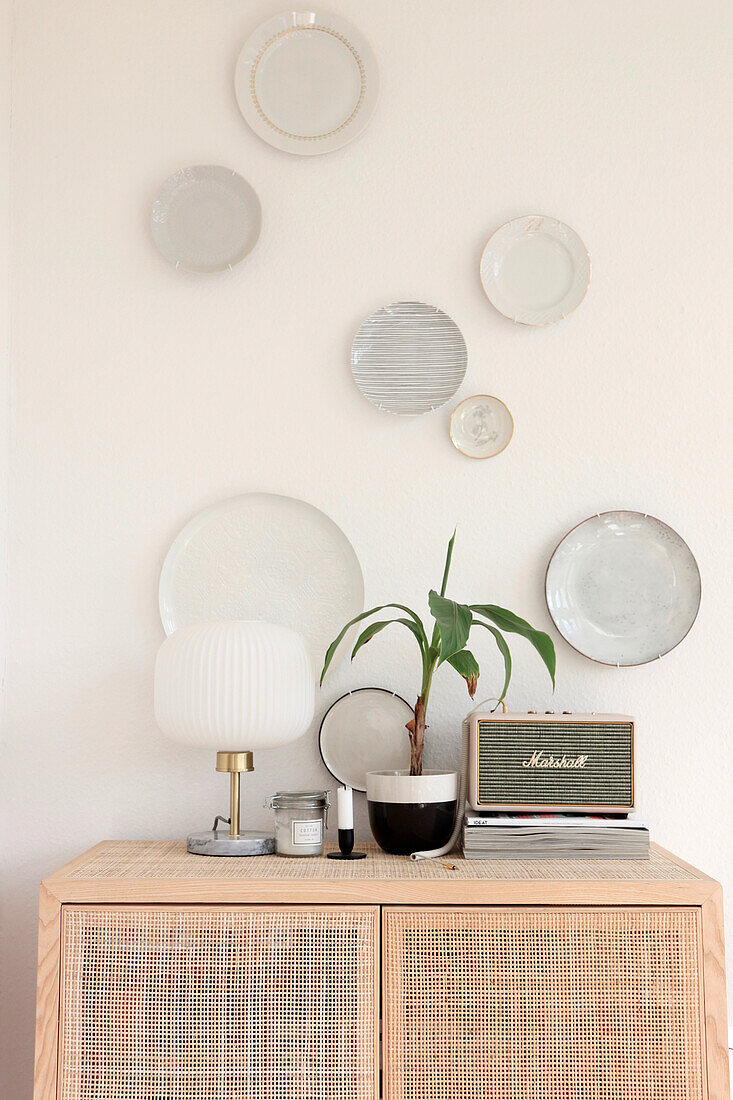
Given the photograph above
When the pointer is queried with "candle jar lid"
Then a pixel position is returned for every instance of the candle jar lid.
(316, 800)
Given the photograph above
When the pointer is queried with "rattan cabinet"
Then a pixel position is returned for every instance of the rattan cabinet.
(166, 976)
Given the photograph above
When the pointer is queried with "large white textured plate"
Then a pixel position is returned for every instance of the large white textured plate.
(408, 358)
(263, 556)
(623, 588)
(535, 270)
(307, 82)
(481, 426)
(206, 218)
(364, 731)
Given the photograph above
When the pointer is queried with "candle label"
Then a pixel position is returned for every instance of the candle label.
(308, 832)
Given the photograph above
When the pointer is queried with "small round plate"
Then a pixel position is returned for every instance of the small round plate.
(306, 82)
(481, 426)
(408, 358)
(535, 270)
(364, 731)
(206, 218)
(623, 588)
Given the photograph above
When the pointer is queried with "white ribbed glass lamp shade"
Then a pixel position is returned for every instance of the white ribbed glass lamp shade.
(234, 686)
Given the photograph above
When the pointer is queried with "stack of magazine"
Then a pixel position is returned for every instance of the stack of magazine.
(553, 836)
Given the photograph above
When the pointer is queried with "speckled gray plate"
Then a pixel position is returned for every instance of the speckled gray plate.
(623, 588)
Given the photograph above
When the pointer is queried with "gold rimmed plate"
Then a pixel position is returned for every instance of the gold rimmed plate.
(481, 426)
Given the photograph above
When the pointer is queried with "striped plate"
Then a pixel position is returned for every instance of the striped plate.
(408, 358)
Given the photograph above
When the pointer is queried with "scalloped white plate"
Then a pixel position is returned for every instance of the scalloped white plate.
(307, 82)
(535, 270)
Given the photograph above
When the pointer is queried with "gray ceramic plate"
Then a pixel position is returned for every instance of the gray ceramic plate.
(206, 218)
(623, 588)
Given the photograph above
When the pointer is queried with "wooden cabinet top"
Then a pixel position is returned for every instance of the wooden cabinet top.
(157, 872)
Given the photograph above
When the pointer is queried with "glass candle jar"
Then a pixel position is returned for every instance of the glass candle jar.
(300, 819)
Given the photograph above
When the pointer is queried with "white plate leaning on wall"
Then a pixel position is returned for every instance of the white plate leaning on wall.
(364, 731)
(535, 270)
(307, 82)
(481, 426)
(206, 218)
(264, 556)
(408, 358)
(623, 588)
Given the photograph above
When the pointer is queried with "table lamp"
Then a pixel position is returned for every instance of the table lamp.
(233, 687)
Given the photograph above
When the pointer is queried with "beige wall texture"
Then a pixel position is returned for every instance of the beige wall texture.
(139, 395)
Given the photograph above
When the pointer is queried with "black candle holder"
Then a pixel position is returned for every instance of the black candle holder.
(346, 844)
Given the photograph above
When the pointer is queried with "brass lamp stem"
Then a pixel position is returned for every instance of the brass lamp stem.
(235, 763)
(234, 804)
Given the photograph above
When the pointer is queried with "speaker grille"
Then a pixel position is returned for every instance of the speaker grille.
(231, 1003)
(497, 1004)
(605, 779)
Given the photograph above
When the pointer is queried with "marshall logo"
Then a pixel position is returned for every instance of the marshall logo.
(540, 759)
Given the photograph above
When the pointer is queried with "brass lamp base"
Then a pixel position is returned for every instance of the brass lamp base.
(235, 842)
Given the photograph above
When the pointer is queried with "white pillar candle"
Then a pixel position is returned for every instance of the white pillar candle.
(345, 802)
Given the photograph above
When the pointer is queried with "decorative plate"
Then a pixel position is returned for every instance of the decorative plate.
(364, 731)
(535, 270)
(206, 218)
(263, 556)
(307, 82)
(481, 426)
(623, 588)
(408, 358)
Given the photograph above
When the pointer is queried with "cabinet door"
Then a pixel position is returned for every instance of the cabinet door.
(219, 1004)
(542, 1004)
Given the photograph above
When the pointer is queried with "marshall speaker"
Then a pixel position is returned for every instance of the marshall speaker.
(551, 762)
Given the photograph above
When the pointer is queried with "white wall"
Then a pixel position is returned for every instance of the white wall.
(140, 395)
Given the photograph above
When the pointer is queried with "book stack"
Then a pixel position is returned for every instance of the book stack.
(553, 836)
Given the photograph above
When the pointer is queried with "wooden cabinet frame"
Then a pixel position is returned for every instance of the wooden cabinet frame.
(375, 887)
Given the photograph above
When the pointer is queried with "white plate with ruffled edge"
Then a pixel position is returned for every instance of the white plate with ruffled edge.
(535, 270)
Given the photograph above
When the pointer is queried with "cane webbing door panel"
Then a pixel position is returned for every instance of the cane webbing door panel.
(543, 1004)
(231, 1003)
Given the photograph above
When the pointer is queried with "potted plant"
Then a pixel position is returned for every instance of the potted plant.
(410, 811)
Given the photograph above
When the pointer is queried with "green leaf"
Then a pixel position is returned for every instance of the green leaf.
(510, 623)
(466, 664)
(503, 649)
(376, 628)
(365, 615)
(446, 567)
(454, 623)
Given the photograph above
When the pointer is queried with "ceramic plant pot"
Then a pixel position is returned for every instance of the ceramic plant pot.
(412, 813)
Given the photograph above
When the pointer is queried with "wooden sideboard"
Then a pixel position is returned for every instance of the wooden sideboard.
(168, 976)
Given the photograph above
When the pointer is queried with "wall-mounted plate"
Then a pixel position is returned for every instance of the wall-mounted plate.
(307, 82)
(481, 426)
(206, 218)
(364, 731)
(623, 588)
(408, 358)
(263, 556)
(535, 270)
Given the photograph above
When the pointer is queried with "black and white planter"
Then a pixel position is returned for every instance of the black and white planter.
(412, 813)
